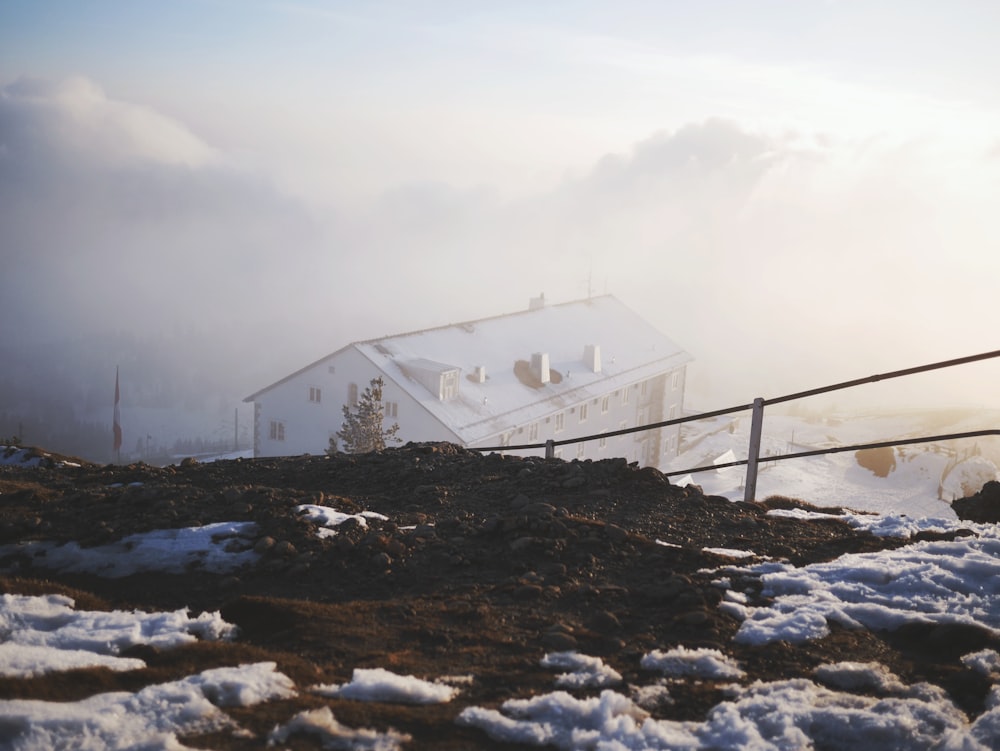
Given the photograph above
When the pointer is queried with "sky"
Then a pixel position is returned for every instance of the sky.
(947, 581)
(798, 193)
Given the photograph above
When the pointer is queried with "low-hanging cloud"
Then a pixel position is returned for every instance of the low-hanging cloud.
(780, 261)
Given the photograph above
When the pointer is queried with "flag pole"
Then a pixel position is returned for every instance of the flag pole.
(117, 425)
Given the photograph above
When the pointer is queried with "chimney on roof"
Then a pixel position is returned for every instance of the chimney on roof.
(540, 366)
(537, 303)
(592, 357)
(479, 374)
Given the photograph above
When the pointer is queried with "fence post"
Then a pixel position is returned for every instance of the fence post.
(753, 451)
(550, 449)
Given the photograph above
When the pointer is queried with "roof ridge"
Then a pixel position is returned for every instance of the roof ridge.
(474, 321)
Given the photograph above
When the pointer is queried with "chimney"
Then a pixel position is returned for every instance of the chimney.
(479, 374)
(537, 303)
(540, 366)
(592, 357)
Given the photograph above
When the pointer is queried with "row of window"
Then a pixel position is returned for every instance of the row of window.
(449, 387)
(316, 396)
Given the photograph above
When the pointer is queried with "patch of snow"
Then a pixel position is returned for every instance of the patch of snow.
(933, 582)
(698, 663)
(985, 662)
(321, 724)
(782, 715)
(584, 671)
(153, 717)
(378, 684)
(328, 518)
(216, 548)
(46, 634)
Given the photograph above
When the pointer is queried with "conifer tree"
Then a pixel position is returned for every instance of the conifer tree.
(362, 430)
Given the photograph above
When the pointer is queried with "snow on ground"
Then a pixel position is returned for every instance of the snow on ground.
(378, 684)
(220, 547)
(926, 477)
(329, 519)
(952, 581)
(151, 718)
(15, 456)
(321, 724)
(948, 581)
(584, 671)
(699, 663)
(46, 634)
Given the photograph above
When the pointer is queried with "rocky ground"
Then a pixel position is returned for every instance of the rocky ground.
(485, 564)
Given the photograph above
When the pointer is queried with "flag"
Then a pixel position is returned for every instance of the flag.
(118, 417)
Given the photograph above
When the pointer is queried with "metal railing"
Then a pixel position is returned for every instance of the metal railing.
(756, 426)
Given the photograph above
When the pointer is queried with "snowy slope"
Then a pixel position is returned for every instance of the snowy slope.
(926, 477)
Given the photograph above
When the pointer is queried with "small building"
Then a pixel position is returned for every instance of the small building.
(561, 371)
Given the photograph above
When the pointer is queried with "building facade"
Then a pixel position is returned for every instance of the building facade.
(549, 372)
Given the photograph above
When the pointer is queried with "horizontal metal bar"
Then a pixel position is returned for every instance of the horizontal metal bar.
(884, 377)
(841, 449)
(747, 407)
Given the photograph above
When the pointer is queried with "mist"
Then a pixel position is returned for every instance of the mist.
(209, 251)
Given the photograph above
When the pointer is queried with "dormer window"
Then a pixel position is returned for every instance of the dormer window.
(449, 385)
(439, 378)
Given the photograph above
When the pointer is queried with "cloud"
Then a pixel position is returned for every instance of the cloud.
(76, 117)
(117, 215)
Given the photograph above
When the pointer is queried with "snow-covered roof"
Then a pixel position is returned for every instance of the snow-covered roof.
(493, 393)
(630, 350)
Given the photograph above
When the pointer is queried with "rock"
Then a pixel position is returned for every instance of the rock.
(615, 533)
(983, 507)
(264, 545)
(605, 622)
(558, 641)
(285, 549)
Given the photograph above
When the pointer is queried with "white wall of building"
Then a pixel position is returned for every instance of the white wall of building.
(619, 409)
(300, 414)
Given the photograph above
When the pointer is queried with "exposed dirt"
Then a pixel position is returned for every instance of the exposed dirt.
(485, 564)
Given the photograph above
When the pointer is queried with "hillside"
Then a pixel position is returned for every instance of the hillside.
(486, 574)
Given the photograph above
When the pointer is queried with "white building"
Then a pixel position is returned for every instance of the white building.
(550, 372)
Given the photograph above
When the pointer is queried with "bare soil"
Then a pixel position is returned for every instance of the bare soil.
(485, 564)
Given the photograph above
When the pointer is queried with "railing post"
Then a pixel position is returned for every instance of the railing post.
(550, 449)
(753, 452)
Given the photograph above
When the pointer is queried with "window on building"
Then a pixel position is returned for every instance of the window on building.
(675, 381)
(560, 422)
(314, 394)
(277, 432)
(644, 387)
(672, 412)
(584, 409)
(625, 395)
(605, 404)
(533, 432)
(581, 450)
(390, 409)
(331, 369)
(352, 394)
(603, 443)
